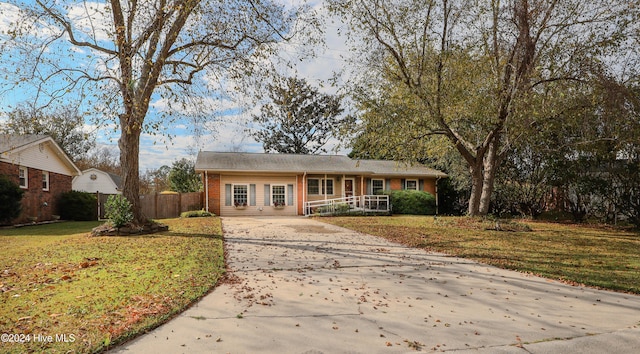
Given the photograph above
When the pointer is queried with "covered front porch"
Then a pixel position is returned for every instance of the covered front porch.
(364, 204)
(330, 194)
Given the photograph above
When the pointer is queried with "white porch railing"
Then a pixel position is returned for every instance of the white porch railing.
(346, 205)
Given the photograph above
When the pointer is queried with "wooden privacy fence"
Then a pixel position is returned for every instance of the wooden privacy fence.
(161, 206)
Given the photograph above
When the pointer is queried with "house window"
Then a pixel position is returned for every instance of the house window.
(240, 194)
(411, 184)
(45, 180)
(329, 187)
(318, 186)
(377, 186)
(24, 177)
(278, 195)
(313, 186)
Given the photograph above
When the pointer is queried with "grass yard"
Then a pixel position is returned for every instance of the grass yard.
(578, 254)
(58, 284)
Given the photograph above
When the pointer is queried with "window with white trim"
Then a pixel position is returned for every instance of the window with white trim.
(377, 186)
(313, 186)
(318, 186)
(411, 184)
(328, 185)
(23, 174)
(279, 195)
(45, 180)
(240, 195)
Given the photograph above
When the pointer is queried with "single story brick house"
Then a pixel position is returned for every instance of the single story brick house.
(286, 184)
(41, 168)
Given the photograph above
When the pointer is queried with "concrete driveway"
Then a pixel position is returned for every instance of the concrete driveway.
(302, 286)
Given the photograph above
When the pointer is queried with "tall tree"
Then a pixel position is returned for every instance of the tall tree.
(183, 177)
(595, 155)
(126, 54)
(480, 74)
(299, 119)
(63, 124)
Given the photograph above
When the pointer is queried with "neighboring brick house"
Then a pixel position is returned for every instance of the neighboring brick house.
(287, 184)
(41, 168)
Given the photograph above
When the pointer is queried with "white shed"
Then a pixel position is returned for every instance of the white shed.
(93, 180)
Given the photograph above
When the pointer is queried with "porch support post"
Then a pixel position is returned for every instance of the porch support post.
(325, 186)
(436, 189)
(362, 191)
(344, 183)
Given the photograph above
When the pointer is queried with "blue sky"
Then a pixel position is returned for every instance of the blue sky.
(226, 131)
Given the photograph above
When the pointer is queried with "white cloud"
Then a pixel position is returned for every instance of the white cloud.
(10, 16)
(92, 19)
(15, 20)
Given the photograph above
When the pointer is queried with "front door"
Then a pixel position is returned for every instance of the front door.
(348, 188)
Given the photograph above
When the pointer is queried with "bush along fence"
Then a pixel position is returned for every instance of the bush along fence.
(160, 205)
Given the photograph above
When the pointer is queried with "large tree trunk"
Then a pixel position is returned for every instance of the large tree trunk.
(476, 189)
(129, 144)
(475, 163)
(490, 165)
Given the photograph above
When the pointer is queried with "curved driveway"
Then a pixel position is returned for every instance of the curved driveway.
(301, 286)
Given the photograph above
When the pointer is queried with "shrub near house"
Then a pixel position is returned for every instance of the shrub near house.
(79, 206)
(412, 202)
(10, 200)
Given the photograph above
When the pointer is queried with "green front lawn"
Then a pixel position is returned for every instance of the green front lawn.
(579, 254)
(94, 292)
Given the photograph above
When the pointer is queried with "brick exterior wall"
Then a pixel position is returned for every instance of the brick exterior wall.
(430, 185)
(9, 170)
(213, 188)
(38, 204)
(396, 184)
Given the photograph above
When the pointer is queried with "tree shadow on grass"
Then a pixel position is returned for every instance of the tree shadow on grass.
(54, 229)
(190, 235)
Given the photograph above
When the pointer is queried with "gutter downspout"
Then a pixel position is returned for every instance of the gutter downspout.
(325, 187)
(206, 190)
(304, 193)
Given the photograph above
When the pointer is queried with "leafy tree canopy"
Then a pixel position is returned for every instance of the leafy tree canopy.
(299, 119)
(482, 75)
(183, 177)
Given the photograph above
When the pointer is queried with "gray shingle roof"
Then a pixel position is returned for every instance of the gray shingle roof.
(117, 180)
(339, 164)
(392, 168)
